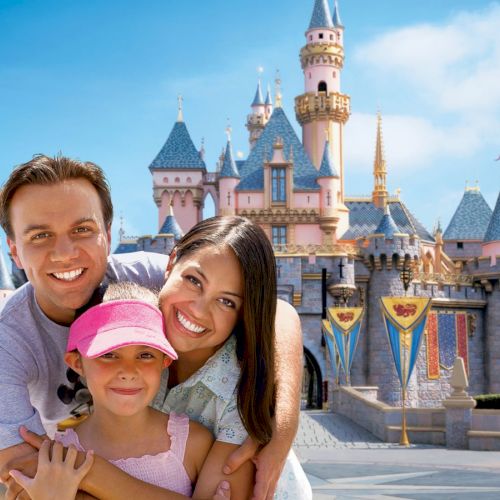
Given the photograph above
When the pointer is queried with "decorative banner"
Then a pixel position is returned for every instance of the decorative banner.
(432, 346)
(345, 323)
(405, 319)
(332, 351)
(447, 337)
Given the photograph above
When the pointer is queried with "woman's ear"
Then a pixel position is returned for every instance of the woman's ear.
(74, 360)
(171, 261)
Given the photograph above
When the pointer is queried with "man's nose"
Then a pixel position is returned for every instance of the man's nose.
(64, 249)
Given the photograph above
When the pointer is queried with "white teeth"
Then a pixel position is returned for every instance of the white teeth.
(69, 275)
(188, 325)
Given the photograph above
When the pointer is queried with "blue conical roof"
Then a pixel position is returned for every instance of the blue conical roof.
(179, 152)
(321, 17)
(278, 128)
(327, 168)
(336, 16)
(5, 278)
(493, 231)
(258, 99)
(229, 168)
(170, 226)
(387, 226)
(471, 218)
(269, 99)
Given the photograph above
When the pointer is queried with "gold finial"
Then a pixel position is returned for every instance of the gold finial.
(327, 134)
(398, 193)
(180, 117)
(229, 130)
(277, 81)
(260, 70)
(121, 232)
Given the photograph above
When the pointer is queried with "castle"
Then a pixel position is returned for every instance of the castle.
(332, 249)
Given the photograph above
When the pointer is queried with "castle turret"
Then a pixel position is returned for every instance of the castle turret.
(491, 244)
(269, 103)
(380, 193)
(323, 106)
(261, 111)
(178, 172)
(229, 178)
(333, 218)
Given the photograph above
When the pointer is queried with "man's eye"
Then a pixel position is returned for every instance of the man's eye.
(82, 230)
(40, 236)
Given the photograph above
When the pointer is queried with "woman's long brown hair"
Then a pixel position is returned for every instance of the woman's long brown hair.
(255, 329)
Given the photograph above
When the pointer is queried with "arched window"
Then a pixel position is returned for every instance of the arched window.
(177, 180)
(165, 180)
(188, 180)
(322, 87)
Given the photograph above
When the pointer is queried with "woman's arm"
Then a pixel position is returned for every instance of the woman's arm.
(241, 481)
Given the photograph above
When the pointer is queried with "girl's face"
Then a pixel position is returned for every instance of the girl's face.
(123, 381)
(202, 301)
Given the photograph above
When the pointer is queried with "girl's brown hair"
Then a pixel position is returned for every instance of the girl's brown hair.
(255, 330)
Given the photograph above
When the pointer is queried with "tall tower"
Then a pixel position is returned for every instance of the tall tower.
(322, 106)
(380, 193)
(261, 111)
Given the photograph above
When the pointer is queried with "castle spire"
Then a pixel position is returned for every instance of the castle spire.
(321, 17)
(278, 96)
(180, 116)
(336, 16)
(380, 193)
(258, 99)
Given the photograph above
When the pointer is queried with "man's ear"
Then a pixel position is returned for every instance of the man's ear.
(108, 236)
(13, 252)
(74, 360)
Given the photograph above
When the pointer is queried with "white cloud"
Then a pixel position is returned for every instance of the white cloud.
(451, 74)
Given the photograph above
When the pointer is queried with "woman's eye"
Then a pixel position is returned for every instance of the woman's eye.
(227, 303)
(194, 281)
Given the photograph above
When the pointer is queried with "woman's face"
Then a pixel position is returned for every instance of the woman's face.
(202, 301)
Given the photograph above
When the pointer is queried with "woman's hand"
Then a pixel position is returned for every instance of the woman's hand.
(56, 477)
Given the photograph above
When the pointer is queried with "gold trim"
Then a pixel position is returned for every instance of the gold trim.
(297, 299)
(440, 302)
(315, 276)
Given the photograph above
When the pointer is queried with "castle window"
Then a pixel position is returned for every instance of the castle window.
(249, 200)
(460, 245)
(278, 184)
(322, 87)
(279, 235)
(321, 36)
(310, 38)
(331, 37)
(165, 180)
(177, 180)
(334, 74)
(188, 180)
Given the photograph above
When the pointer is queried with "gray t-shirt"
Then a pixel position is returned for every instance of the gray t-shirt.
(32, 351)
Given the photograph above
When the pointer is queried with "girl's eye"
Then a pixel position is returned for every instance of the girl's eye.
(108, 355)
(227, 303)
(147, 355)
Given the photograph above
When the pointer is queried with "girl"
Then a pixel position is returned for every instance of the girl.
(119, 347)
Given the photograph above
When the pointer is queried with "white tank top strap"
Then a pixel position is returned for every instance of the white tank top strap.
(178, 430)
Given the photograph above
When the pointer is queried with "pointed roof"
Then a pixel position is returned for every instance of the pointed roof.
(278, 126)
(229, 168)
(493, 231)
(258, 100)
(321, 17)
(269, 99)
(336, 16)
(170, 226)
(327, 168)
(178, 152)
(471, 218)
(365, 217)
(5, 277)
(387, 226)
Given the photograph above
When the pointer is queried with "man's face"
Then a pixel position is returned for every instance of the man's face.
(61, 242)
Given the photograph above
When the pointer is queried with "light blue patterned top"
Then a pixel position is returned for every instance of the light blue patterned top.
(209, 396)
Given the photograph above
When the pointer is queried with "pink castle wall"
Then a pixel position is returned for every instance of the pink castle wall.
(492, 250)
(308, 234)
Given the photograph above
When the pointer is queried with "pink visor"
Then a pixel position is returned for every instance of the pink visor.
(118, 323)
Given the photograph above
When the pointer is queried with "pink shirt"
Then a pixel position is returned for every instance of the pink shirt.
(166, 469)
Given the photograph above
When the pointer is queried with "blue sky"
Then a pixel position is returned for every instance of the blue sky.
(99, 79)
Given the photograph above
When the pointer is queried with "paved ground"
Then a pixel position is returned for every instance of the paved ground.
(344, 461)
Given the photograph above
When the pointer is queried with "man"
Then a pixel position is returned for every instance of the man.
(57, 214)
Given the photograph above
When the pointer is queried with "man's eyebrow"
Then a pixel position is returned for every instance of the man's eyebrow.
(83, 220)
(36, 227)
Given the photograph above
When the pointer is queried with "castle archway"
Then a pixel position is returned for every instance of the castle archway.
(312, 382)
